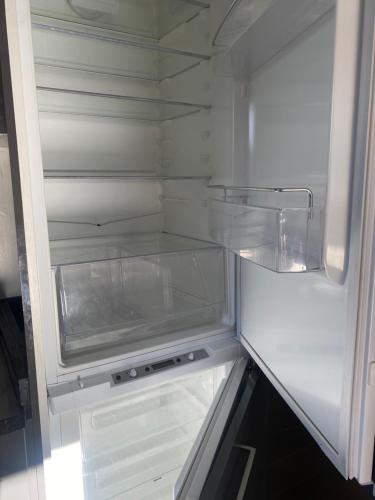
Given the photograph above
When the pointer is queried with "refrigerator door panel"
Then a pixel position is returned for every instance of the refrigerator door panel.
(362, 424)
(140, 440)
(344, 104)
(301, 329)
(296, 327)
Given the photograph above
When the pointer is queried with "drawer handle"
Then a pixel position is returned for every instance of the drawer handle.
(247, 471)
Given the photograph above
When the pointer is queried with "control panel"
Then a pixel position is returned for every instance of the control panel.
(165, 364)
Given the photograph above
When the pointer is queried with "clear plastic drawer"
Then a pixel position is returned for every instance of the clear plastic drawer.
(133, 298)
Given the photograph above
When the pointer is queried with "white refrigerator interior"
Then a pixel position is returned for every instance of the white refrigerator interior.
(189, 152)
(125, 100)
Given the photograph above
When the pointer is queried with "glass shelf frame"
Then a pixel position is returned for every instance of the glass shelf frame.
(125, 175)
(192, 59)
(83, 24)
(98, 249)
(175, 109)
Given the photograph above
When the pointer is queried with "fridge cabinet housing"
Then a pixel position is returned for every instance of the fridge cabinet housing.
(118, 161)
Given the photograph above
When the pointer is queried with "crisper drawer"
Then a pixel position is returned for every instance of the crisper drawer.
(122, 301)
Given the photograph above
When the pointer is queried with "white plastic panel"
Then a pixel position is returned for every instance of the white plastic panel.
(94, 207)
(286, 117)
(296, 324)
(98, 144)
(185, 209)
(222, 129)
(192, 132)
(252, 50)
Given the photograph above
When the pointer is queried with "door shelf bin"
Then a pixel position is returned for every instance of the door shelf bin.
(279, 239)
(121, 301)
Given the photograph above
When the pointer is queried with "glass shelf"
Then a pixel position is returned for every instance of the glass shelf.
(78, 102)
(85, 250)
(148, 18)
(123, 290)
(241, 15)
(108, 53)
(128, 175)
(284, 240)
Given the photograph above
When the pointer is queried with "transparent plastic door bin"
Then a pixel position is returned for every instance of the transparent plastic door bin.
(280, 239)
(131, 299)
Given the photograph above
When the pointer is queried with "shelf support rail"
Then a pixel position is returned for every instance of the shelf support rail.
(267, 190)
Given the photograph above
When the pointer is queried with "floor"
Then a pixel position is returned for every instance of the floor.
(288, 463)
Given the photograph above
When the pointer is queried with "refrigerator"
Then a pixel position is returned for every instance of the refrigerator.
(197, 180)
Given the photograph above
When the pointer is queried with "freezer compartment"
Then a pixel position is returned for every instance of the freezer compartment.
(279, 239)
(136, 443)
(147, 18)
(151, 289)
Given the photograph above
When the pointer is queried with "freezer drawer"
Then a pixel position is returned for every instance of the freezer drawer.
(141, 438)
